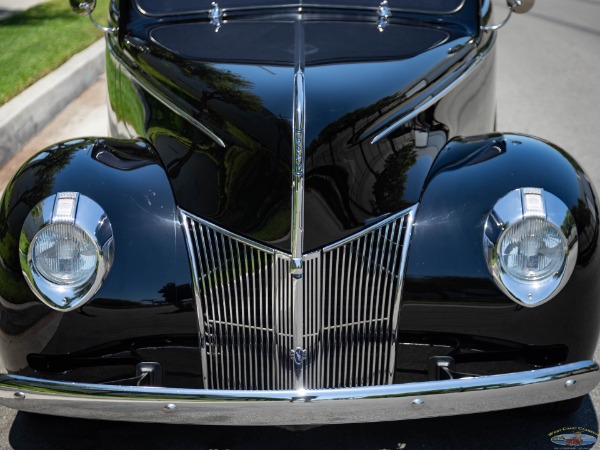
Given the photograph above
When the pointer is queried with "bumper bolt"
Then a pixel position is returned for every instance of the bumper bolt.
(570, 384)
(19, 396)
(169, 408)
(418, 403)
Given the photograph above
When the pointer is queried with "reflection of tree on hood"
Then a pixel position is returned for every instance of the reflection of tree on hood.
(390, 183)
(223, 85)
(358, 121)
(43, 168)
(587, 235)
(252, 178)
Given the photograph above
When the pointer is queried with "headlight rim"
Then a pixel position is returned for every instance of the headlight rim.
(508, 212)
(89, 217)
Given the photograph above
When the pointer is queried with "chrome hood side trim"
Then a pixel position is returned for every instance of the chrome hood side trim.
(432, 96)
(154, 92)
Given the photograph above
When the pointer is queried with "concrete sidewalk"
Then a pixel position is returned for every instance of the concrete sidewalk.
(87, 115)
(26, 114)
(10, 7)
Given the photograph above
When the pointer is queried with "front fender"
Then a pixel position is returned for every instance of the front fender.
(148, 289)
(448, 288)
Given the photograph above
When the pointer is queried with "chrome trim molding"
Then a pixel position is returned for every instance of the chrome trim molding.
(517, 206)
(301, 407)
(163, 99)
(297, 219)
(398, 296)
(237, 237)
(371, 228)
(430, 98)
(257, 332)
(199, 315)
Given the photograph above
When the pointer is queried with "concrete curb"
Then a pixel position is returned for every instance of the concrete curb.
(26, 114)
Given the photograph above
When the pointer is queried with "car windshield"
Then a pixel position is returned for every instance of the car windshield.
(162, 7)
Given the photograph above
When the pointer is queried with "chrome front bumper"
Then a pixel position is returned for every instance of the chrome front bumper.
(327, 406)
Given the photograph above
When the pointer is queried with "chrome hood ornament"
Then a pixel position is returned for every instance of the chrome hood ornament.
(216, 16)
(384, 13)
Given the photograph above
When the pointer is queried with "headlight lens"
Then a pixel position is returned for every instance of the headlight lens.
(532, 250)
(64, 254)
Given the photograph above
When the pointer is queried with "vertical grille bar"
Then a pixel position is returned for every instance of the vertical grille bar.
(199, 284)
(246, 308)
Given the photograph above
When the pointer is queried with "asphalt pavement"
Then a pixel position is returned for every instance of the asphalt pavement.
(548, 68)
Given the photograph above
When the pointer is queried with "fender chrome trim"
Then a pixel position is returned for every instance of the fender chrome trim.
(300, 407)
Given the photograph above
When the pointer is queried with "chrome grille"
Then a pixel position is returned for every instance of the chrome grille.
(350, 293)
(245, 308)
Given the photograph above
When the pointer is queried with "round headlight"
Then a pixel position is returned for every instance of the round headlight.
(66, 249)
(532, 250)
(64, 254)
(530, 244)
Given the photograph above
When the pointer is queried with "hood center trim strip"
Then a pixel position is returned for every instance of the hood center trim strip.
(297, 225)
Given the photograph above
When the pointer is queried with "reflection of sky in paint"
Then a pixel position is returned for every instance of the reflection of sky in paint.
(274, 85)
(561, 439)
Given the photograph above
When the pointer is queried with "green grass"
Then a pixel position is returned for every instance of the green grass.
(37, 41)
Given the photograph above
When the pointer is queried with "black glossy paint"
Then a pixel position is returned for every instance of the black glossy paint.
(239, 84)
(448, 287)
(148, 290)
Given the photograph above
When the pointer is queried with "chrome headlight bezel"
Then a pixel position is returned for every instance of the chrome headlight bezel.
(514, 209)
(82, 213)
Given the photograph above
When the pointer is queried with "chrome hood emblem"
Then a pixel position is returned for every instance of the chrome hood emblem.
(298, 356)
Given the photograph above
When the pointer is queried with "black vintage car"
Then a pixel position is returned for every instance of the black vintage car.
(303, 216)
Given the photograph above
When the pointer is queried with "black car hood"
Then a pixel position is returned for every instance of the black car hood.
(239, 84)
